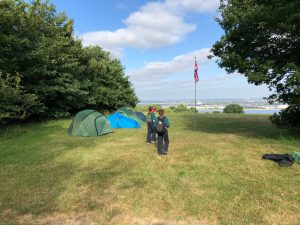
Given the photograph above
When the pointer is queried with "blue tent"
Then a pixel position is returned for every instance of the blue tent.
(118, 120)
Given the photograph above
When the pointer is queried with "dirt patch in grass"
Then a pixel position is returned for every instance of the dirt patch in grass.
(112, 217)
(89, 218)
(158, 221)
(282, 218)
(93, 218)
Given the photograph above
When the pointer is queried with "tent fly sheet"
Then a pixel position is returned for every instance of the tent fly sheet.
(141, 116)
(89, 123)
(118, 120)
(129, 113)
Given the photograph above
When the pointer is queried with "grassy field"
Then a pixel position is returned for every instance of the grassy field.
(213, 174)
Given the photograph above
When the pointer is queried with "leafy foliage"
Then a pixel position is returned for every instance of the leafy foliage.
(42, 49)
(182, 109)
(38, 43)
(290, 117)
(15, 102)
(110, 88)
(233, 108)
(262, 42)
(145, 108)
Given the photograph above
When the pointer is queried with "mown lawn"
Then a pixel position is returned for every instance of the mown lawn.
(213, 174)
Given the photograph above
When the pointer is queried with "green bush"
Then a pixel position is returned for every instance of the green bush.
(15, 103)
(233, 108)
(287, 118)
(156, 106)
(182, 109)
(145, 108)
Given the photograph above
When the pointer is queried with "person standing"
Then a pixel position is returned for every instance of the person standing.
(151, 135)
(161, 126)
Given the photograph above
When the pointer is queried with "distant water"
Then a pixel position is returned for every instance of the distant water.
(247, 111)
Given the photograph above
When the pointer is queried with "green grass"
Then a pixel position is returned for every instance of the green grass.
(213, 174)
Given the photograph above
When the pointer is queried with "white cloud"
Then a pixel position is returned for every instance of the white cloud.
(141, 33)
(159, 76)
(193, 5)
(174, 80)
(217, 86)
(179, 64)
(156, 24)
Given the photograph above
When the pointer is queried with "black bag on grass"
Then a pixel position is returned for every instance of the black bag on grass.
(281, 159)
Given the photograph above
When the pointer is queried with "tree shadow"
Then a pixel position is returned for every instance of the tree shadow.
(257, 126)
(44, 170)
(39, 142)
(34, 167)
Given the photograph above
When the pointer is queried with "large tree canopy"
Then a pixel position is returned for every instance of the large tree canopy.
(262, 41)
(53, 69)
(110, 88)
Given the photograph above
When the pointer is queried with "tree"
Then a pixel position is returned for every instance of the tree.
(16, 104)
(233, 108)
(181, 108)
(288, 117)
(261, 41)
(110, 88)
(38, 43)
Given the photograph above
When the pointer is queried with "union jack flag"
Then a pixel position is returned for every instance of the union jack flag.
(196, 77)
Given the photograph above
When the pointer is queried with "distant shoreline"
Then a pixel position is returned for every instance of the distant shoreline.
(243, 108)
(246, 111)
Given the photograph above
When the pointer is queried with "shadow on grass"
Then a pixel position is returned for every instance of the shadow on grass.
(35, 165)
(258, 126)
(38, 143)
(106, 176)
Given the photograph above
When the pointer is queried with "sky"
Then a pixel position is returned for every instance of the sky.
(157, 41)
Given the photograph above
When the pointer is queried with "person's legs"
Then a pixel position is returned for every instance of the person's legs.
(153, 133)
(160, 144)
(149, 132)
(166, 139)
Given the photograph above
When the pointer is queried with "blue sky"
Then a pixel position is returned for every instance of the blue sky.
(156, 42)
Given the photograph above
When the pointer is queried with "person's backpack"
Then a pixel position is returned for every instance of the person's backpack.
(160, 127)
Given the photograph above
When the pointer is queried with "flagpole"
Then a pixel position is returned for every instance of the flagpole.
(195, 107)
(195, 102)
(195, 98)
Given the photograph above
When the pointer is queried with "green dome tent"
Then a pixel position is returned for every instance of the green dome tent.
(127, 111)
(130, 113)
(141, 116)
(89, 123)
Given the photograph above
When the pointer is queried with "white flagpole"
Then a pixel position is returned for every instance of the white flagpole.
(195, 97)
(195, 100)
